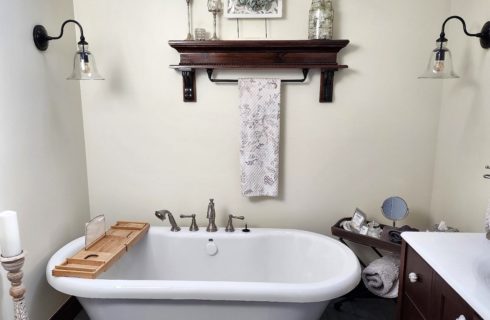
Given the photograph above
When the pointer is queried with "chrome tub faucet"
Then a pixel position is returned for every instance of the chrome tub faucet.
(211, 215)
(193, 226)
(160, 214)
(229, 226)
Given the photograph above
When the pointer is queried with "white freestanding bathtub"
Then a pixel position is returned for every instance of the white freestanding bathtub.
(267, 274)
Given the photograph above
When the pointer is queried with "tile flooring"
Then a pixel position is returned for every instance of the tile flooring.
(360, 304)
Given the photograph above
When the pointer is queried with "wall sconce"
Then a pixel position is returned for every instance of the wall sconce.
(440, 65)
(84, 67)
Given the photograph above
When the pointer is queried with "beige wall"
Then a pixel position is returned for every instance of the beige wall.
(42, 156)
(148, 150)
(460, 194)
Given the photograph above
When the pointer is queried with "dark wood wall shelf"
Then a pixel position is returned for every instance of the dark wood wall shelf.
(258, 54)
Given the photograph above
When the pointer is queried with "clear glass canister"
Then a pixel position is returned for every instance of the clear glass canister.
(321, 20)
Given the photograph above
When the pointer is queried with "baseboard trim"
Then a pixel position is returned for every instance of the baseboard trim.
(68, 310)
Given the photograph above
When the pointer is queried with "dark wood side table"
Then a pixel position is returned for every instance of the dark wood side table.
(375, 243)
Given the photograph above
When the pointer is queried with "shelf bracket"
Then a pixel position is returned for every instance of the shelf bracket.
(189, 84)
(326, 85)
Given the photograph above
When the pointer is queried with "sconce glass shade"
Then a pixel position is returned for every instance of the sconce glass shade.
(440, 64)
(84, 67)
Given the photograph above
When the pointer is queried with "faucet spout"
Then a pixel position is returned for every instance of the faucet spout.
(161, 214)
(211, 215)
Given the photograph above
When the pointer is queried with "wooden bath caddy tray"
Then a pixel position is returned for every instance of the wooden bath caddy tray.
(99, 256)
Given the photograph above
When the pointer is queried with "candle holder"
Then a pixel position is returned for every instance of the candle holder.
(215, 7)
(189, 28)
(13, 266)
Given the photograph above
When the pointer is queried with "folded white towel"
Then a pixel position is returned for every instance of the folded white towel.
(260, 130)
(381, 276)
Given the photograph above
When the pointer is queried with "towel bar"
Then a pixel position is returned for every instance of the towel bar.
(210, 76)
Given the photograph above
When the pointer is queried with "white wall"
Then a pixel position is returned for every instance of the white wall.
(42, 156)
(460, 194)
(148, 150)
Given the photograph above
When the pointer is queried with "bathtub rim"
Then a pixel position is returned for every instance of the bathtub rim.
(209, 290)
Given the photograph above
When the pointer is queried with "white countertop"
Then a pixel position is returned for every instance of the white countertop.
(462, 260)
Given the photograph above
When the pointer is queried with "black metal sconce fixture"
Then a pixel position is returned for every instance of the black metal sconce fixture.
(441, 64)
(84, 67)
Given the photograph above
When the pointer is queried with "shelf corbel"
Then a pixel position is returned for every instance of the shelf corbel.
(189, 84)
(326, 85)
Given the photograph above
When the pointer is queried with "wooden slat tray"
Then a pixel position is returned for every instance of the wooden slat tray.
(383, 244)
(90, 262)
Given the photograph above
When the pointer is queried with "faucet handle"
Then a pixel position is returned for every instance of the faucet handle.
(193, 226)
(229, 226)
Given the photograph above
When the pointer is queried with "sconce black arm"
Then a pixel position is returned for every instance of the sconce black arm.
(484, 35)
(41, 37)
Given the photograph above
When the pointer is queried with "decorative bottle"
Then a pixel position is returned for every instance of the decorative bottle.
(321, 20)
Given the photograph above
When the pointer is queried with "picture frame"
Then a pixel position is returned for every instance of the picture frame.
(359, 219)
(253, 9)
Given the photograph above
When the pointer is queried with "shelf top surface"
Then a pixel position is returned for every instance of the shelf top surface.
(326, 66)
(262, 45)
(246, 43)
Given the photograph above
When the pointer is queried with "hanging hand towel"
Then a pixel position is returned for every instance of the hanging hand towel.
(260, 130)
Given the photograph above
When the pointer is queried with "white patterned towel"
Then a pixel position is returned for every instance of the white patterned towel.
(260, 129)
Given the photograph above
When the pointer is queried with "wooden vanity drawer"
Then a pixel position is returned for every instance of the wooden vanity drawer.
(448, 305)
(411, 312)
(418, 282)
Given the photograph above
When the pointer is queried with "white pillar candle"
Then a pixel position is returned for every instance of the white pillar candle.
(9, 234)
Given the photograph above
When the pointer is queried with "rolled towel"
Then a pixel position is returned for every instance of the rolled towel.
(395, 235)
(381, 276)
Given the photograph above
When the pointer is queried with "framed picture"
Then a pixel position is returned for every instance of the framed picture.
(253, 9)
(358, 220)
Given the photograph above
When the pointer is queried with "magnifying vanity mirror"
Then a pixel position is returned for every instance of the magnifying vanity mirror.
(395, 209)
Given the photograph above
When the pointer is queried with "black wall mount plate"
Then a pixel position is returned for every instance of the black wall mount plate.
(485, 37)
(40, 37)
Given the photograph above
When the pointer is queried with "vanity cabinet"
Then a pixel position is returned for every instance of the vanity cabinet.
(424, 295)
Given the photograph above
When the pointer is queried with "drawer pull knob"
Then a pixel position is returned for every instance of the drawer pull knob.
(461, 317)
(413, 277)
